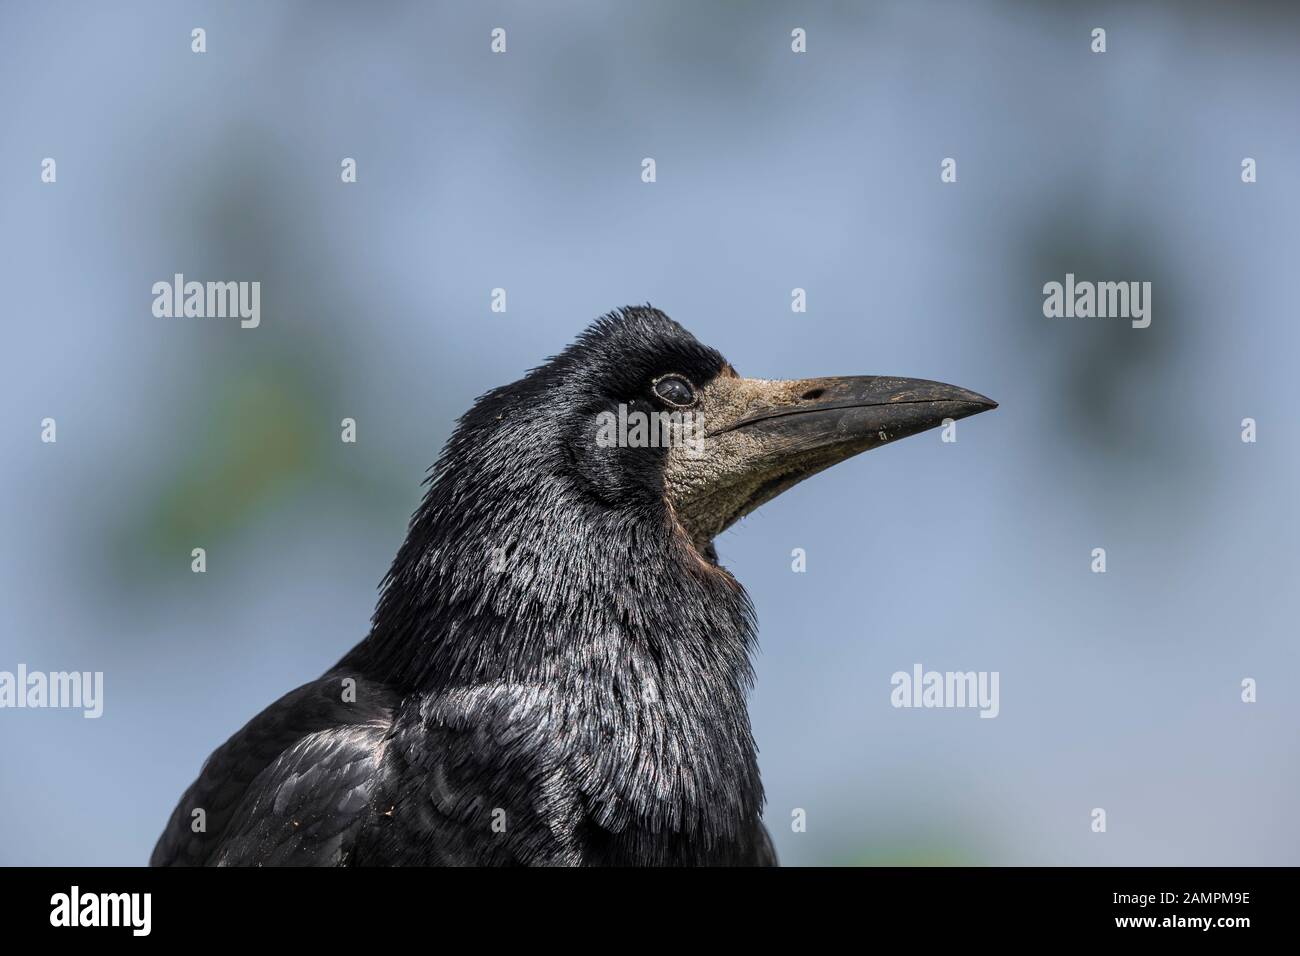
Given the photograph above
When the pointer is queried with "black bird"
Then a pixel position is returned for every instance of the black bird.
(557, 667)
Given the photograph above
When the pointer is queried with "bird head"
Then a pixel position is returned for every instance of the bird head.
(575, 498)
(660, 420)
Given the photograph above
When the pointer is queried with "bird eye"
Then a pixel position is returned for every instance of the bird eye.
(675, 390)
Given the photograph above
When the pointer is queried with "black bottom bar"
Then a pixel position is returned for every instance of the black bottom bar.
(378, 907)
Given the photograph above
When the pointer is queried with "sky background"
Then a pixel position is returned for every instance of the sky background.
(775, 170)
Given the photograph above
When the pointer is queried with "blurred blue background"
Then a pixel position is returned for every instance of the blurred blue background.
(775, 171)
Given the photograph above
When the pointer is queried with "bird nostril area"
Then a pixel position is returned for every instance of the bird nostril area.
(812, 394)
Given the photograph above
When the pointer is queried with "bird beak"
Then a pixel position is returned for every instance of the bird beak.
(763, 437)
(852, 414)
